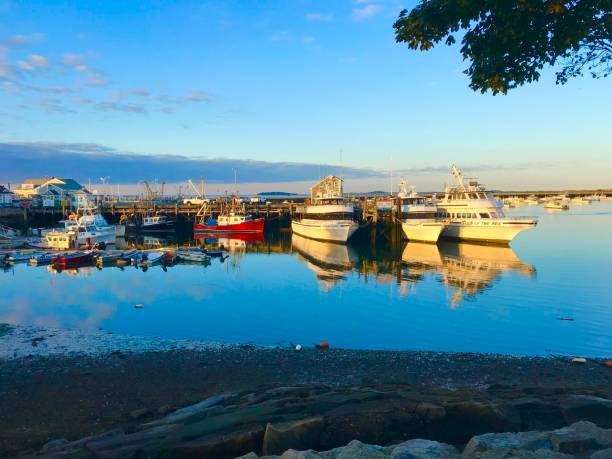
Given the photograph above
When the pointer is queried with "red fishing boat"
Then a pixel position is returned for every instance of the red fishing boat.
(72, 258)
(231, 223)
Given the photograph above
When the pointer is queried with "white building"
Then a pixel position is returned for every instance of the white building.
(6, 197)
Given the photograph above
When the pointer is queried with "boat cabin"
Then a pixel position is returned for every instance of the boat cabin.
(61, 240)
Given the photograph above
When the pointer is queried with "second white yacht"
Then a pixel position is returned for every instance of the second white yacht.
(474, 214)
(418, 215)
(328, 217)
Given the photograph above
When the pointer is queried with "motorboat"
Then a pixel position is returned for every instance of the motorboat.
(194, 255)
(557, 203)
(45, 258)
(328, 217)
(472, 213)
(111, 256)
(418, 215)
(146, 259)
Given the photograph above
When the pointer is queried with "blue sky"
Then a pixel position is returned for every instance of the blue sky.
(284, 81)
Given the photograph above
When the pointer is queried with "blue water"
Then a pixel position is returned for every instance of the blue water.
(450, 297)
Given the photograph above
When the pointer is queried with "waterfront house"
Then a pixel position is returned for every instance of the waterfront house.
(6, 197)
(54, 192)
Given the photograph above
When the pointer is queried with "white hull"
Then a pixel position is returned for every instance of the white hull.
(88, 239)
(333, 230)
(423, 230)
(499, 231)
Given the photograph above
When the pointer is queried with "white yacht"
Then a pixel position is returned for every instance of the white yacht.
(418, 215)
(474, 214)
(328, 217)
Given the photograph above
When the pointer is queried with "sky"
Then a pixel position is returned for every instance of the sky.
(238, 84)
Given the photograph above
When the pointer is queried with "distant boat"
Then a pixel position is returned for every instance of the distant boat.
(329, 217)
(557, 204)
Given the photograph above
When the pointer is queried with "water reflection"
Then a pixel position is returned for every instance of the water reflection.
(330, 262)
(466, 269)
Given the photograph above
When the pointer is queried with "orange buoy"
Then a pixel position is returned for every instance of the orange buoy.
(323, 345)
(608, 363)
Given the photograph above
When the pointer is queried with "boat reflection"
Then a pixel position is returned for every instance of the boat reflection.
(466, 269)
(329, 261)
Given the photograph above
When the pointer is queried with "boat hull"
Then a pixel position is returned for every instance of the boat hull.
(501, 232)
(334, 231)
(252, 226)
(422, 230)
(72, 259)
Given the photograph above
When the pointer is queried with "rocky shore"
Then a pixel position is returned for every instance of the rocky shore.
(212, 400)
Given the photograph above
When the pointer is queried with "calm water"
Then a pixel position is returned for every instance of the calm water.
(450, 297)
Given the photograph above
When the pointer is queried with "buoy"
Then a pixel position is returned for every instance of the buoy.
(298, 347)
(608, 363)
(139, 306)
(578, 360)
(323, 345)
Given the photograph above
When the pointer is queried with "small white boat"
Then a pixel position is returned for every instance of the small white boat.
(193, 255)
(418, 216)
(557, 204)
(17, 257)
(111, 256)
(43, 259)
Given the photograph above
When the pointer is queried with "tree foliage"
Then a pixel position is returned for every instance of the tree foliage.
(508, 42)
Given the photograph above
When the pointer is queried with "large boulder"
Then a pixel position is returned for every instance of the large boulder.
(464, 420)
(537, 414)
(509, 440)
(603, 454)
(299, 435)
(587, 408)
(603, 437)
(357, 450)
(571, 441)
(423, 449)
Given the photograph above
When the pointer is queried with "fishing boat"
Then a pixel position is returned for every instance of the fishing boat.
(18, 257)
(193, 255)
(42, 260)
(329, 217)
(580, 200)
(152, 223)
(472, 213)
(418, 215)
(232, 219)
(72, 258)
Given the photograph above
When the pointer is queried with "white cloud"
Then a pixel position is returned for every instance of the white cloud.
(319, 17)
(39, 61)
(308, 39)
(280, 36)
(369, 10)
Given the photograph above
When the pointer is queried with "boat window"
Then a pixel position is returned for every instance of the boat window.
(484, 215)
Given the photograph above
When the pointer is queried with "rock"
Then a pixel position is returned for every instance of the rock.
(233, 444)
(141, 413)
(464, 420)
(250, 455)
(357, 450)
(430, 412)
(54, 444)
(506, 453)
(293, 454)
(603, 437)
(165, 409)
(521, 440)
(603, 454)
(571, 441)
(538, 415)
(587, 408)
(301, 435)
(377, 421)
(422, 449)
(183, 414)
